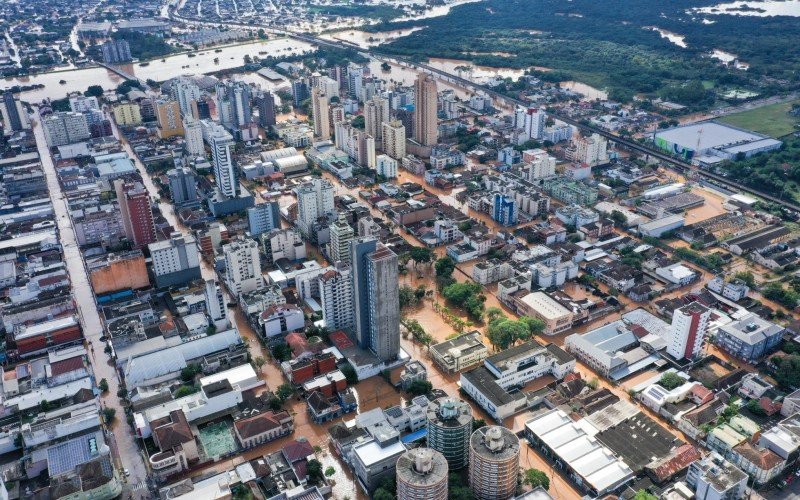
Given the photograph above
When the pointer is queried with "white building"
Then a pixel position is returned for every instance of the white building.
(677, 274)
(176, 261)
(314, 199)
(187, 93)
(735, 290)
(714, 478)
(540, 164)
(65, 128)
(193, 136)
(279, 319)
(242, 266)
(386, 166)
(394, 139)
(590, 150)
(688, 330)
(336, 298)
(82, 103)
(284, 244)
(376, 113)
(215, 305)
(224, 169)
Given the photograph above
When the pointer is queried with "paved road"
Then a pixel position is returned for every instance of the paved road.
(92, 325)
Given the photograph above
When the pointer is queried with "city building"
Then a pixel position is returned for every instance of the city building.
(750, 338)
(394, 139)
(224, 168)
(314, 200)
(215, 305)
(556, 317)
(688, 330)
(193, 137)
(175, 261)
(376, 297)
(187, 93)
(504, 209)
(64, 128)
(336, 298)
(14, 116)
(283, 244)
(242, 266)
(320, 111)
(449, 429)
(375, 459)
(83, 104)
(493, 463)
(376, 113)
(591, 150)
(341, 236)
(127, 114)
(168, 116)
(460, 353)
(711, 142)
(263, 218)
(734, 290)
(265, 104)
(116, 51)
(426, 99)
(422, 475)
(183, 187)
(386, 166)
(136, 212)
(714, 478)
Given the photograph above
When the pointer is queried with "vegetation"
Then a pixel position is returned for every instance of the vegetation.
(777, 172)
(504, 332)
(644, 495)
(787, 373)
(747, 277)
(466, 296)
(711, 262)
(671, 380)
(417, 332)
(785, 297)
(284, 392)
(773, 120)
(103, 385)
(444, 269)
(330, 471)
(536, 478)
(459, 490)
(349, 373)
(314, 471)
(94, 91)
(145, 46)
(420, 387)
(109, 414)
(185, 390)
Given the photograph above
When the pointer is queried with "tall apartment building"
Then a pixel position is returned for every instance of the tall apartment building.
(590, 150)
(265, 103)
(83, 103)
(242, 266)
(283, 244)
(187, 93)
(386, 166)
(376, 297)
(341, 236)
(686, 334)
(540, 164)
(449, 430)
(193, 136)
(714, 478)
(183, 186)
(299, 92)
(394, 139)
(320, 114)
(426, 131)
(168, 116)
(127, 114)
(215, 305)
(314, 199)
(116, 51)
(65, 128)
(493, 463)
(504, 209)
(176, 261)
(233, 105)
(224, 169)
(263, 218)
(376, 113)
(137, 215)
(15, 118)
(336, 298)
(531, 120)
(422, 475)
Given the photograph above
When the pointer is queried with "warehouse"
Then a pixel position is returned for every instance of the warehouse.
(710, 142)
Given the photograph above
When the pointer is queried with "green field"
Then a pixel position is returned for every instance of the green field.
(773, 120)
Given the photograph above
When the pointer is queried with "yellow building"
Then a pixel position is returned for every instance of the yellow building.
(168, 114)
(127, 114)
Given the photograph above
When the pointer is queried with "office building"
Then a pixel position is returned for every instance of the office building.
(376, 113)
(341, 236)
(183, 187)
(493, 463)
(176, 261)
(426, 131)
(394, 139)
(314, 200)
(215, 305)
(127, 114)
(422, 475)
(64, 128)
(116, 51)
(336, 298)
(186, 92)
(714, 478)
(193, 137)
(320, 114)
(15, 118)
(265, 103)
(224, 169)
(263, 218)
(168, 115)
(449, 430)
(504, 209)
(688, 330)
(136, 213)
(242, 266)
(376, 297)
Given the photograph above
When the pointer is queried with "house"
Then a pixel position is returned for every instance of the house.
(666, 468)
(176, 443)
(326, 408)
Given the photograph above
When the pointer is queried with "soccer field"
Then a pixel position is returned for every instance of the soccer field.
(773, 120)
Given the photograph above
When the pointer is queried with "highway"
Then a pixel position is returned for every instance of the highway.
(678, 164)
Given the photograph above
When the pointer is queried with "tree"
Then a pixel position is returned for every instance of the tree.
(382, 494)
(103, 385)
(536, 478)
(185, 390)
(504, 332)
(421, 255)
(494, 313)
(420, 387)
(330, 471)
(644, 495)
(122, 393)
(358, 122)
(94, 91)
(349, 373)
(671, 380)
(260, 362)
(314, 471)
(619, 218)
(282, 352)
(478, 423)
(45, 405)
(407, 297)
(188, 373)
(109, 414)
(444, 267)
(284, 391)
(747, 277)
(535, 325)
(788, 372)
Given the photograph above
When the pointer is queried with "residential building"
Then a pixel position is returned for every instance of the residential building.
(242, 266)
(280, 319)
(265, 103)
(186, 92)
(714, 478)
(83, 104)
(283, 244)
(375, 459)
(314, 200)
(173, 437)
(341, 236)
(376, 297)
(376, 113)
(175, 261)
(319, 113)
(14, 116)
(394, 139)
(127, 114)
(336, 298)
(263, 218)
(260, 428)
(734, 290)
(750, 338)
(386, 166)
(168, 116)
(224, 168)
(183, 187)
(540, 164)
(493, 463)
(193, 137)
(136, 212)
(422, 475)
(449, 429)
(504, 210)
(426, 129)
(590, 150)
(116, 51)
(688, 330)
(64, 128)
(215, 305)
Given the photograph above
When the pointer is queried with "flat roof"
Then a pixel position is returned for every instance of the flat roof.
(545, 305)
(708, 135)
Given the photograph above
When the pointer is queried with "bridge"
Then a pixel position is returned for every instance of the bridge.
(632, 145)
(124, 74)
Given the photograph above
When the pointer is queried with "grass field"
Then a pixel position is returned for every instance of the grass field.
(773, 120)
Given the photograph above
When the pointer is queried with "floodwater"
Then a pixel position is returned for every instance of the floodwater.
(672, 37)
(366, 39)
(162, 69)
(590, 93)
(765, 8)
(728, 57)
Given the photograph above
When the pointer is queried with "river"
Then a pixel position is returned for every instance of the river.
(77, 80)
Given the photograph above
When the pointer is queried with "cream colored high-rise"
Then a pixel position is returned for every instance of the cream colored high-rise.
(394, 139)
(376, 113)
(320, 113)
(493, 463)
(426, 130)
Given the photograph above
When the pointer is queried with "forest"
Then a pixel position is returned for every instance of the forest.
(776, 172)
(611, 44)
